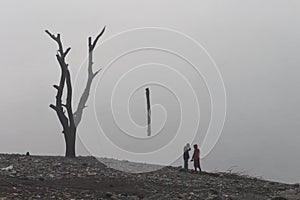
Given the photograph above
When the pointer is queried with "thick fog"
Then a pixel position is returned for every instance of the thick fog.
(255, 45)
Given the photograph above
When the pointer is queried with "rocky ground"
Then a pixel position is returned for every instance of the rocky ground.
(46, 177)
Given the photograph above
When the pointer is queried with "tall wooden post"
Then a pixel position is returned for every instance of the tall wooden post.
(148, 112)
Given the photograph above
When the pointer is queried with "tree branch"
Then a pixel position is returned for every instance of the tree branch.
(67, 51)
(60, 56)
(91, 76)
(56, 87)
(97, 38)
(53, 107)
(51, 35)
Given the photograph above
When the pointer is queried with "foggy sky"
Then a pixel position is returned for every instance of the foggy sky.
(254, 43)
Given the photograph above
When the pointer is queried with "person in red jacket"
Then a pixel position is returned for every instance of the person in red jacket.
(196, 158)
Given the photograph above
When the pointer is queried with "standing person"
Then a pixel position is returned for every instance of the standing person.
(186, 156)
(196, 158)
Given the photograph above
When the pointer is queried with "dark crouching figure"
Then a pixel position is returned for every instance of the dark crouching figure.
(196, 158)
(186, 156)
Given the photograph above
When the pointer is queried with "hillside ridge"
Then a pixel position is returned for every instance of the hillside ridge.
(55, 177)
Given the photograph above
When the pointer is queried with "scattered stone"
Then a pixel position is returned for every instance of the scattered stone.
(296, 185)
(108, 195)
(9, 168)
(212, 191)
(114, 197)
(84, 164)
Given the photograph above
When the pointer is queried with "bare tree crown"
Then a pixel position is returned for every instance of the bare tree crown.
(71, 121)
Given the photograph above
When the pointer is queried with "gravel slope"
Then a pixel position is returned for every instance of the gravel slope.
(49, 177)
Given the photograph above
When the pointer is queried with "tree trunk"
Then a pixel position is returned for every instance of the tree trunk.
(70, 140)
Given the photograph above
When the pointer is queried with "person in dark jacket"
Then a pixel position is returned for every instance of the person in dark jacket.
(186, 156)
(196, 158)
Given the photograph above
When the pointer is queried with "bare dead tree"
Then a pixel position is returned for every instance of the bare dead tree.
(71, 121)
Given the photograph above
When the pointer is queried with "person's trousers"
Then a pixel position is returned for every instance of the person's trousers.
(186, 164)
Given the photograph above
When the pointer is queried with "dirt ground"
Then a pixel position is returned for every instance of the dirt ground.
(45, 177)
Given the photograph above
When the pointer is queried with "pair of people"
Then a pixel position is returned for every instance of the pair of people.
(195, 157)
